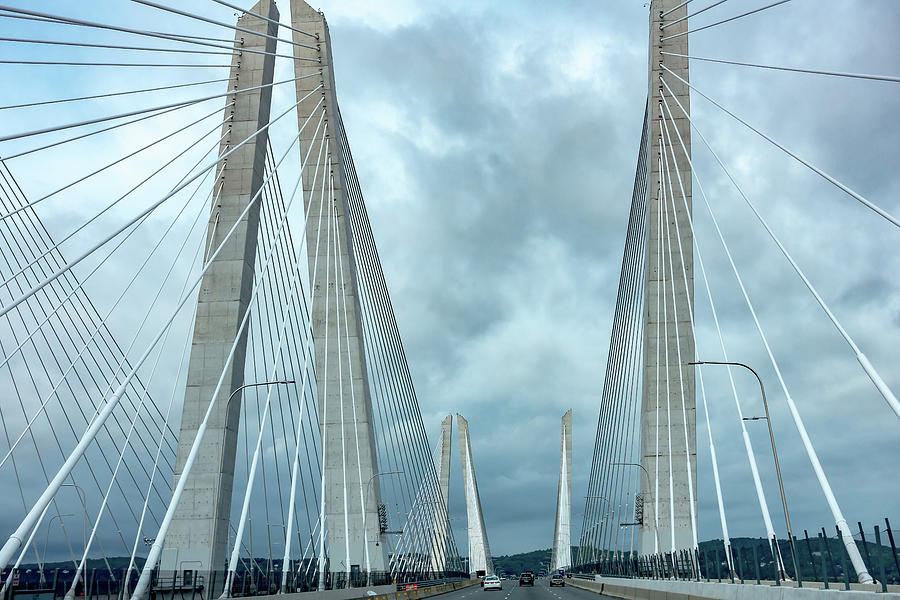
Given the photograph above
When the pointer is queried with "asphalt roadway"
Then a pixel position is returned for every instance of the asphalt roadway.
(512, 591)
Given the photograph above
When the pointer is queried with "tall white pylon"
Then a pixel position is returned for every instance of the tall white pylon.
(480, 561)
(441, 533)
(668, 414)
(562, 531)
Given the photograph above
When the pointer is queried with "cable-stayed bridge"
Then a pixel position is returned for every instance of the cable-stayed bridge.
(183, 389)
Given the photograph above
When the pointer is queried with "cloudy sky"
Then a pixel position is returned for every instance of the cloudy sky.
(496, 144)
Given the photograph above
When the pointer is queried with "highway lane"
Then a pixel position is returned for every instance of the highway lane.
(512, 591)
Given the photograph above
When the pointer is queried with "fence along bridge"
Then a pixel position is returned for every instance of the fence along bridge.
(235, 421)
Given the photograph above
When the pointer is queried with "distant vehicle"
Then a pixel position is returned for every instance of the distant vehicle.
(557, 579)
(526, 578)
(491, 582)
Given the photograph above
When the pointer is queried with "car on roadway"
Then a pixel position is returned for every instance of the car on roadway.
(491, 582)
(526, 578)
(557, 579)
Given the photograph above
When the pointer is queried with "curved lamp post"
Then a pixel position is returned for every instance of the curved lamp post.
(762, 389)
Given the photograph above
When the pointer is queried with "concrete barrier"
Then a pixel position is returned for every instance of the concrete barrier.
(649, 589)
(382, 592)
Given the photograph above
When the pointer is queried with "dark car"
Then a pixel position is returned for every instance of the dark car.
(557, 580)
(526, 578)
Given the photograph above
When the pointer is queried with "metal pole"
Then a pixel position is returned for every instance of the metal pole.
(642, 468)
(762, 389)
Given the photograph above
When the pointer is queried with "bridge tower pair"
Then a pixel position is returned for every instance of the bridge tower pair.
(199, 535)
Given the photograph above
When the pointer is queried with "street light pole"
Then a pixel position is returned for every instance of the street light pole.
(642, 468)
(247, 385)
(762, 389)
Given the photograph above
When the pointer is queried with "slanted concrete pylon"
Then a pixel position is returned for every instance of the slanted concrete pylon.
(197, 539)
(440, 544)
(479, 549)
(561, 558)
(668, 414)
(352, 488)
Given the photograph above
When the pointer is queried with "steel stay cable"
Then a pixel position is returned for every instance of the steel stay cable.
(5, 309)
(863, 360)
(846, 536)
(754, 11)
(681, 365)
(613, 399)
(671, 10)
(56, 260)
(634, 319)
(113, 94)
(712, 448)
(100, 327)
(362, 499)
(333, 219)
(816, 170)
(276, 208)
(306, 356)
(279, 23)
(748, 447)
(74, 290)
(175, 382)
(616, 340)
(57, 243)
(300, 315)
(15, 539)
(167, 36)
(132, 113)
(96, 64)
(412, 411)
(694, 14)
(275, 309)
(891, 78)
(79, 570)
(141, 590)
(384, 369)
(324, 395)
(379, 358)
(67, 332)
(251, 476)
(226, 25)
(112, 46)
(178, 37)
(93, 133)
(663, 297)
(628, 347)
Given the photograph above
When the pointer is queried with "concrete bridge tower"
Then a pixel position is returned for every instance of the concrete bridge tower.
(561, 558)
(479, 549)
(352, 488)
(668, 423)
(198, 536)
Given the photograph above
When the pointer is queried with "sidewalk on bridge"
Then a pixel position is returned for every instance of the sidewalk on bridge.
(650, 589)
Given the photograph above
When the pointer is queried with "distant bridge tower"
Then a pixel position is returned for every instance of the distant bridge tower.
(198, 537)
(562, 531)
(479, 549)
(441, 533)
(668, 423)
(353, 531)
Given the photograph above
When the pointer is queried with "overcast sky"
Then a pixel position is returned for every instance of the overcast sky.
(496, 144)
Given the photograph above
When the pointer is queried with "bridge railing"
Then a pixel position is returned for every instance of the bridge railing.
(818, 558)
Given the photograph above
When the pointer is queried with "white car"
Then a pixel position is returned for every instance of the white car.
(492, 582)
